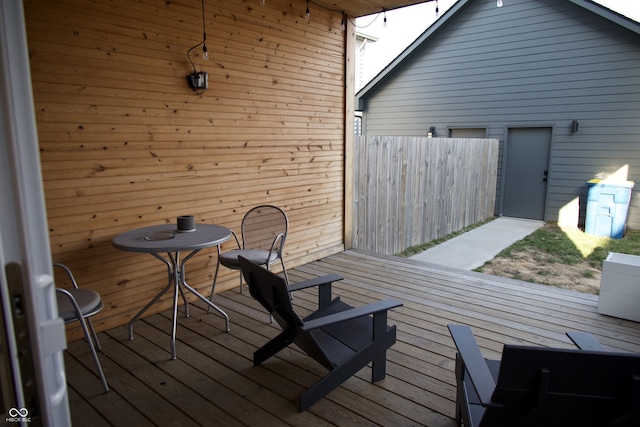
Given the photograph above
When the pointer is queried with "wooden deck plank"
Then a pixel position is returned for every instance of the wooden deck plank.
(175, 381)
(207, 376)
(292, 365)
(112, 407)
(236, 370)
(83, 411)
(214, 377)
(118, 363)
(402, 379)
(546, 313)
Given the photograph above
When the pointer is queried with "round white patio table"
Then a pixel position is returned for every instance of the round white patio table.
(158, 239)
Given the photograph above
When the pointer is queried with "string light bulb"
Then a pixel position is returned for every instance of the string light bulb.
(343, 22)
(205, 52)
(263, 2)
(384, 22)
(499, 3)
(307, 13)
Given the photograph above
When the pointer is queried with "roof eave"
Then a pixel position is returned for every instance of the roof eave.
(409, 50)
(609, 14)
(596, 8)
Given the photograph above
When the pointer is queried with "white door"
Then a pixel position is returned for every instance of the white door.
(32, 338)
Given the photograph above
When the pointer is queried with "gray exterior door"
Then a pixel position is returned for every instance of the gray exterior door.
(526, 170)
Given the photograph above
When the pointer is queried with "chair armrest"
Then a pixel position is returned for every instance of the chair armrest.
(323, 284)
(69, 274)
(585, 341)
(474, 362)
(350, 314)
(274, 245)
(235, 236)
(316, 281)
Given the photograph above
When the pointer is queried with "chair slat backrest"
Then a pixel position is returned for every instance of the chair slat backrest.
(542, 386)
(270, 290)
(261, 225)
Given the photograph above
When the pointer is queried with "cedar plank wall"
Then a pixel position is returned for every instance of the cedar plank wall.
(126, 143)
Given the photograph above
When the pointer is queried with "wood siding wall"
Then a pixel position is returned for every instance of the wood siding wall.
(125, 143)
(412, 190)
(529, 63)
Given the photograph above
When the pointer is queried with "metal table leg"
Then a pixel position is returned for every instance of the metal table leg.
(157, 297)
(176, 278)
(201, 297)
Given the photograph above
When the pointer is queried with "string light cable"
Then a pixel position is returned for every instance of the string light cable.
(383, 12)
(203, 43)
(198, 81)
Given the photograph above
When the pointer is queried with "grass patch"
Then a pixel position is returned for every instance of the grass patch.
(555, 245)
(553, 256)
(414, 250)
(545, 272)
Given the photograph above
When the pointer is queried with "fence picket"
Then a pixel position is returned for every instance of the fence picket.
(411, 190)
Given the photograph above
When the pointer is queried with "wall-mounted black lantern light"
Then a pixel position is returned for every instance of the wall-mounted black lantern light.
(575, 126)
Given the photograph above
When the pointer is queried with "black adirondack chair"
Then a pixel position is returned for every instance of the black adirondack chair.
(341, 338)
(537, 386)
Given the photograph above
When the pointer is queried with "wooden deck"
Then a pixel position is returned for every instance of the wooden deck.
(213, 381)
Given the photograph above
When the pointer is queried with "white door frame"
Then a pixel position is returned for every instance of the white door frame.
(28, 297)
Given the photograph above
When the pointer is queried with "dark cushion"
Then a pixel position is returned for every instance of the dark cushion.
(257, 256)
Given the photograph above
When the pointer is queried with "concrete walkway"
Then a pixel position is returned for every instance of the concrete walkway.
(472, 249)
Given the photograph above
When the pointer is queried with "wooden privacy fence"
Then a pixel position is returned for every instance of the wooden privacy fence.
(411, 190)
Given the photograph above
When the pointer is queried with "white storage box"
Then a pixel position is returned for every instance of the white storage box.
(620, 287)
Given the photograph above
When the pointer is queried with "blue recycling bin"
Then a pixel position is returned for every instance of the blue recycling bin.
(607, 207)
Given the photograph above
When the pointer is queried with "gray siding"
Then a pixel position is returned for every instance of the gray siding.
(529, 63)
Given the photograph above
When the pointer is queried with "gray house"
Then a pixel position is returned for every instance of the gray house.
(556, 81)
